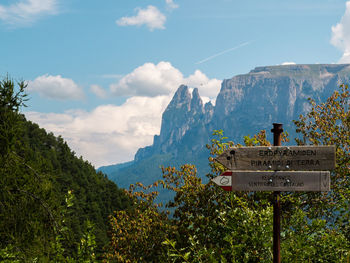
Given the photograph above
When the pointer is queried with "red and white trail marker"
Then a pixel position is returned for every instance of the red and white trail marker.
(224, 180)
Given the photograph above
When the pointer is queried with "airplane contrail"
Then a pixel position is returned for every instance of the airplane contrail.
(223, 52)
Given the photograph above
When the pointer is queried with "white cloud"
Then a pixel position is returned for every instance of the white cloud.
(207, 87)
(56, 87)
(109, 134)
(27, 11)
(171, 4)
(151, 17)
(98, 91)
(112, 134)
(288, 63)
(341, 35)
(149, 80)
(163, 79)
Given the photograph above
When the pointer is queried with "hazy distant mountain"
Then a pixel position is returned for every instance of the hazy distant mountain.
(245, 105)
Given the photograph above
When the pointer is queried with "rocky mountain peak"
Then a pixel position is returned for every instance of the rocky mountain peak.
(196, 103)
(251, 102)
(246, 104)
(208, 111)
(181, 99)
(184, 112)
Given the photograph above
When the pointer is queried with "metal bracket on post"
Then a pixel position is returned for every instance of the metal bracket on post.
(277, 130)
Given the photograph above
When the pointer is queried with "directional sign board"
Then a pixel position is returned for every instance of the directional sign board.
(282, 158)
(274, 181)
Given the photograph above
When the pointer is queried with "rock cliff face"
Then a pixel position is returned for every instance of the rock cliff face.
(245, 105)
(183, 125)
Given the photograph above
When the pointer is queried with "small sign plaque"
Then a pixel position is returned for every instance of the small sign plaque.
(274, 181)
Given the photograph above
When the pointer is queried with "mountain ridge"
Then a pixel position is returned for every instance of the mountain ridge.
(246, 104)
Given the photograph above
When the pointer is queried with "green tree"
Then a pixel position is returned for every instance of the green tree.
(37, 170)
(12, 98)
(329, 124)
(137, 233)
(214, 225)
(26, 199)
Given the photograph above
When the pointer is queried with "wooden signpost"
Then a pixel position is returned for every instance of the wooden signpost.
(276, 168)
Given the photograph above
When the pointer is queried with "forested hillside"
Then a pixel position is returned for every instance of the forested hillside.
(50, 200)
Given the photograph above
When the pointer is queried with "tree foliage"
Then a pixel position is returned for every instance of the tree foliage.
(37, 170)
(329, 124)
(26, 199)
(137, 233)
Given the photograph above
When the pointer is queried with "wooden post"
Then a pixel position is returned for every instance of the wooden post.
(277, 130)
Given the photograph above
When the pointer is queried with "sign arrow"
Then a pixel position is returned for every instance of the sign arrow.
(287, 181)
(279, 158)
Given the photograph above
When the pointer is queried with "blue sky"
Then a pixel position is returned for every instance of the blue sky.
(100, 73)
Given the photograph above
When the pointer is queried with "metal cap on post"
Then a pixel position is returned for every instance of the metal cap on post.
(277, 130)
